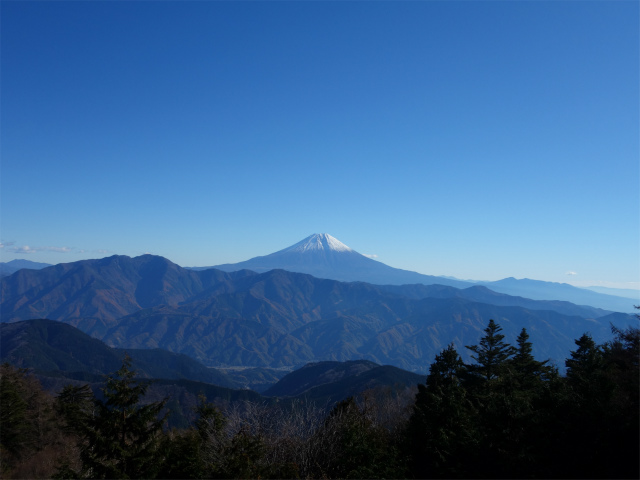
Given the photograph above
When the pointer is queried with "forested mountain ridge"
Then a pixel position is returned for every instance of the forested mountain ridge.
(50, 347)
(105, 289)
(279, 318)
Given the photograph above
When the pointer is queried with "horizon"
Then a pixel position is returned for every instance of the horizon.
(612, 287)
(477, 140)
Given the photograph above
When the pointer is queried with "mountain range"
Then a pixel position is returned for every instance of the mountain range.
(281, 318)
(323, 256)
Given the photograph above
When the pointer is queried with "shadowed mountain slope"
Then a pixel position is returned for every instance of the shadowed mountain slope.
(47, 346)
(328, 382)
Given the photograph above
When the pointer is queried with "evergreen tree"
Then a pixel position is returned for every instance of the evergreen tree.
(186, 452)
(622, 356)
(529, 371)
(502, 407)
(13, 424)
(75, 407)
(122, 436)
(441, 430)
(357, 448)
(491, 355)
(27, 423)
(586, 362)
(584, 418)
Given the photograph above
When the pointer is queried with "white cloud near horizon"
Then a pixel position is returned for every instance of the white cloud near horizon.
(369, 256)
(571, 273)
(26, 249)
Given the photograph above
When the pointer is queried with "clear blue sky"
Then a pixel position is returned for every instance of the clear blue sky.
(474, 139)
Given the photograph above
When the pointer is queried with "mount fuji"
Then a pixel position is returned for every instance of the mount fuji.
(324, 256)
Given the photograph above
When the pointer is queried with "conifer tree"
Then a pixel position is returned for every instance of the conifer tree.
(13, 425)
(122, 437)
(491, 355)
(529, 371)
(622, 356)
(186, 452)
(493, 391)
(586, 362)
(584, 420)
(75, 406)
(441, 430)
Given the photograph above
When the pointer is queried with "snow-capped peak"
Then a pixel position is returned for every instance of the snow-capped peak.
(319, 241)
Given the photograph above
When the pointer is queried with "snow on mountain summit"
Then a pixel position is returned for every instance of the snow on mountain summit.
(318, 241)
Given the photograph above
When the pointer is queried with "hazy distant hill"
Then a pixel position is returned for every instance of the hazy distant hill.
(539, 290)
(618, 292)
(7, 268)
(484, 295)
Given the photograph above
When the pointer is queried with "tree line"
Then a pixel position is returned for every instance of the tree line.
(503, 415)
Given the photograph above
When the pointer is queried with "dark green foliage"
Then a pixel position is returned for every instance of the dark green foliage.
(442, 429)
(27, 422)
(598, 415)
(119, 437)
(14, 408)
(13, 424)
(186, 452)
(75, 405)
(586, 362)
(623, 357)
(511, 416)
(491, 355)
(529, 371)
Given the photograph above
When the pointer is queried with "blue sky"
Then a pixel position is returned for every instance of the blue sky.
(475, 139)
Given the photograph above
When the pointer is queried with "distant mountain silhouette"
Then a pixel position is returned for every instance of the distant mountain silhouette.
(7, 268)
(539, 290)
(323, 256)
